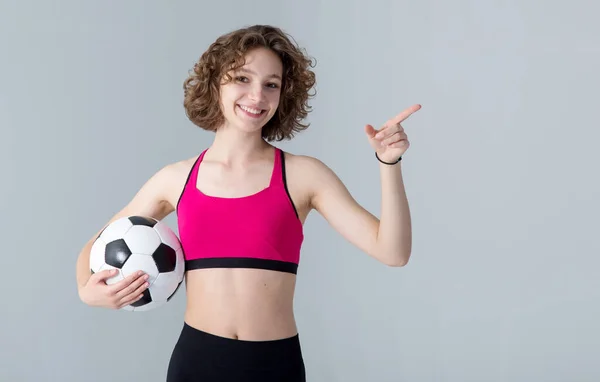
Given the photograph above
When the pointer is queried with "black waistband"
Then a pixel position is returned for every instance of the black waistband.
(223, 351)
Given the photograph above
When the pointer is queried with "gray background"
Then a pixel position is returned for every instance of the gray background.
(502, 180)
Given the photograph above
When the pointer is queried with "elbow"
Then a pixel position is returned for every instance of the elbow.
(397, 260)
(396, 264)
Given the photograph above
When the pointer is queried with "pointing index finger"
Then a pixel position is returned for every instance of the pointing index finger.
(405, 114)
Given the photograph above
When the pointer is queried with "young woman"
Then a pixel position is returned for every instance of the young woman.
(241, 205)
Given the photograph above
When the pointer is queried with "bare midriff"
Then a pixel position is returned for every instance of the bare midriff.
(239, 303)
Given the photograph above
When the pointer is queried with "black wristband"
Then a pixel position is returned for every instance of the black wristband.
(388, 163)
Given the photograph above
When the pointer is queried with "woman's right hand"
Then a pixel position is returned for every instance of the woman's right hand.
(114, 296)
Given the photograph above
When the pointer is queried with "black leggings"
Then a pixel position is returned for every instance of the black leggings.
(204, 357)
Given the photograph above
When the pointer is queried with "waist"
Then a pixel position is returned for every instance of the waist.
(251, 304)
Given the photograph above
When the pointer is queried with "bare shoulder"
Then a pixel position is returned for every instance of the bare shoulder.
(173, 177)
(308, 167)
(159, 195)
(302, 161)
(176, 169)
(309, 175)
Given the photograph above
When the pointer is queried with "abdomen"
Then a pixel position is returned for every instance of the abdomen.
(247, 304)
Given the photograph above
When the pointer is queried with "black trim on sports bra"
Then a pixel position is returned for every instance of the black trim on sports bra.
(186, 182)
(241, 262)
(282, 155)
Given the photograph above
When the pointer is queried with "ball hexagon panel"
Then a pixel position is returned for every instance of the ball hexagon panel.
(97, 255)
(142, 239)
(137, 262)
(175, 292)
(116, 253)
(167, 236)
(164, 286)
(116, 230)
(179, 265)
(116, 278)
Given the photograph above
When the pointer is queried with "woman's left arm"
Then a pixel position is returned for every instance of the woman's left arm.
(388, 239)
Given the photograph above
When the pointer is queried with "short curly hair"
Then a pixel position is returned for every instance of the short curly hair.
(202, 87)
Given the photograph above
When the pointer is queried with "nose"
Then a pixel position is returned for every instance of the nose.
(257, 93)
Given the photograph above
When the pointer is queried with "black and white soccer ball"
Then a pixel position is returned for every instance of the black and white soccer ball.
(135, 243)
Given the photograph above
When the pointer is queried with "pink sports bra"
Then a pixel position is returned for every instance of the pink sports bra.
(260, 231)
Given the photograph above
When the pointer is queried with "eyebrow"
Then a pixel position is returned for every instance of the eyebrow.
(252, 72)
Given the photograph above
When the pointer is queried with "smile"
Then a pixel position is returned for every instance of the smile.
(251, 112)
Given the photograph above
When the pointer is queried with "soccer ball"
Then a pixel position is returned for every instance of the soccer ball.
(135, 243)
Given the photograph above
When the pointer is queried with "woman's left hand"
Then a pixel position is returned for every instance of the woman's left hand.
(390, 142)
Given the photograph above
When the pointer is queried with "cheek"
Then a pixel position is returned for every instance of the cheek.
(274, 98)
(228, 99)
(230, 92)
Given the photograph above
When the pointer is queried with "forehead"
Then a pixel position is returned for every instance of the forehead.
(262, 62)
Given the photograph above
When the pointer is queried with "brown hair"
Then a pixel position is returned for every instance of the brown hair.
(201, 88)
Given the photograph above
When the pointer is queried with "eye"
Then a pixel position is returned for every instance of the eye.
(273, 85)
(241, 78)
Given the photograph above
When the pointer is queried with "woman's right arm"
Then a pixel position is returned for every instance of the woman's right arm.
(152, 200)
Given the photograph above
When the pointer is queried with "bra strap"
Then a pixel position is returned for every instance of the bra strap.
(277, 176)
(193, 176)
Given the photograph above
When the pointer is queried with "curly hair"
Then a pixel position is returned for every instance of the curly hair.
(202, 87)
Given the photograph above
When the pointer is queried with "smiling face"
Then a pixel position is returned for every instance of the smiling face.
(251, 99)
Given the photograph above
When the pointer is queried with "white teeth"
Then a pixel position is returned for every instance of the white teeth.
(249, 110)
